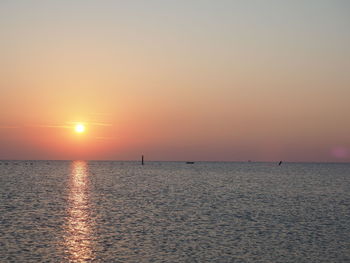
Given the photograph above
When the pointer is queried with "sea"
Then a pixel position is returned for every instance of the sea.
(107, 211)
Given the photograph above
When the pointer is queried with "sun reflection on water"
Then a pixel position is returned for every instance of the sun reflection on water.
(79, 236)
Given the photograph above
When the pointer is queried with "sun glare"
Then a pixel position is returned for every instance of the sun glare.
(79, 128)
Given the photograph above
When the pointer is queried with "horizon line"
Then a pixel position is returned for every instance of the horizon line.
(137, 160)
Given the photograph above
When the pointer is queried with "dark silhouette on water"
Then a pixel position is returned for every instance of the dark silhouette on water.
(142, 162)
(189, 162)
(280, 163)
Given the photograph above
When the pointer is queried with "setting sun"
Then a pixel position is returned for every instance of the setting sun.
(79, 128)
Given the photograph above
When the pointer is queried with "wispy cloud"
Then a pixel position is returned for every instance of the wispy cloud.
(99, 114)
(8, 127)
(93, 123)
(105, 138)
(100, 123)
(68, 125)
(90, 123)
(50, 126)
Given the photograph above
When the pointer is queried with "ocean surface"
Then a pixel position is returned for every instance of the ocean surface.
(78, 211)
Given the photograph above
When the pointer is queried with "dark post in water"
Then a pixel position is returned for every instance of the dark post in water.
(142, 160)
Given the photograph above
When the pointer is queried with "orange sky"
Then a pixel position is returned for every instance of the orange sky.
(175, 81)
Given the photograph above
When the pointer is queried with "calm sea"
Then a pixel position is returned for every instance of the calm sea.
(77, 211)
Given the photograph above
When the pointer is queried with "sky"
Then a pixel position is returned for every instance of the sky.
(175, 80)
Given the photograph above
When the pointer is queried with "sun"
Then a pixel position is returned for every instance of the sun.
(79, 128)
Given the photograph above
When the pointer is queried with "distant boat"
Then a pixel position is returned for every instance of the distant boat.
(189, 162)
(280, 163)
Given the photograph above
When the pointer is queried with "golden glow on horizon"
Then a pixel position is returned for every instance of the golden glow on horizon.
(79, 128)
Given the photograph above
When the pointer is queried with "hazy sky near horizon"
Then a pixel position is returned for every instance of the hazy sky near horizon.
(175, 80)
